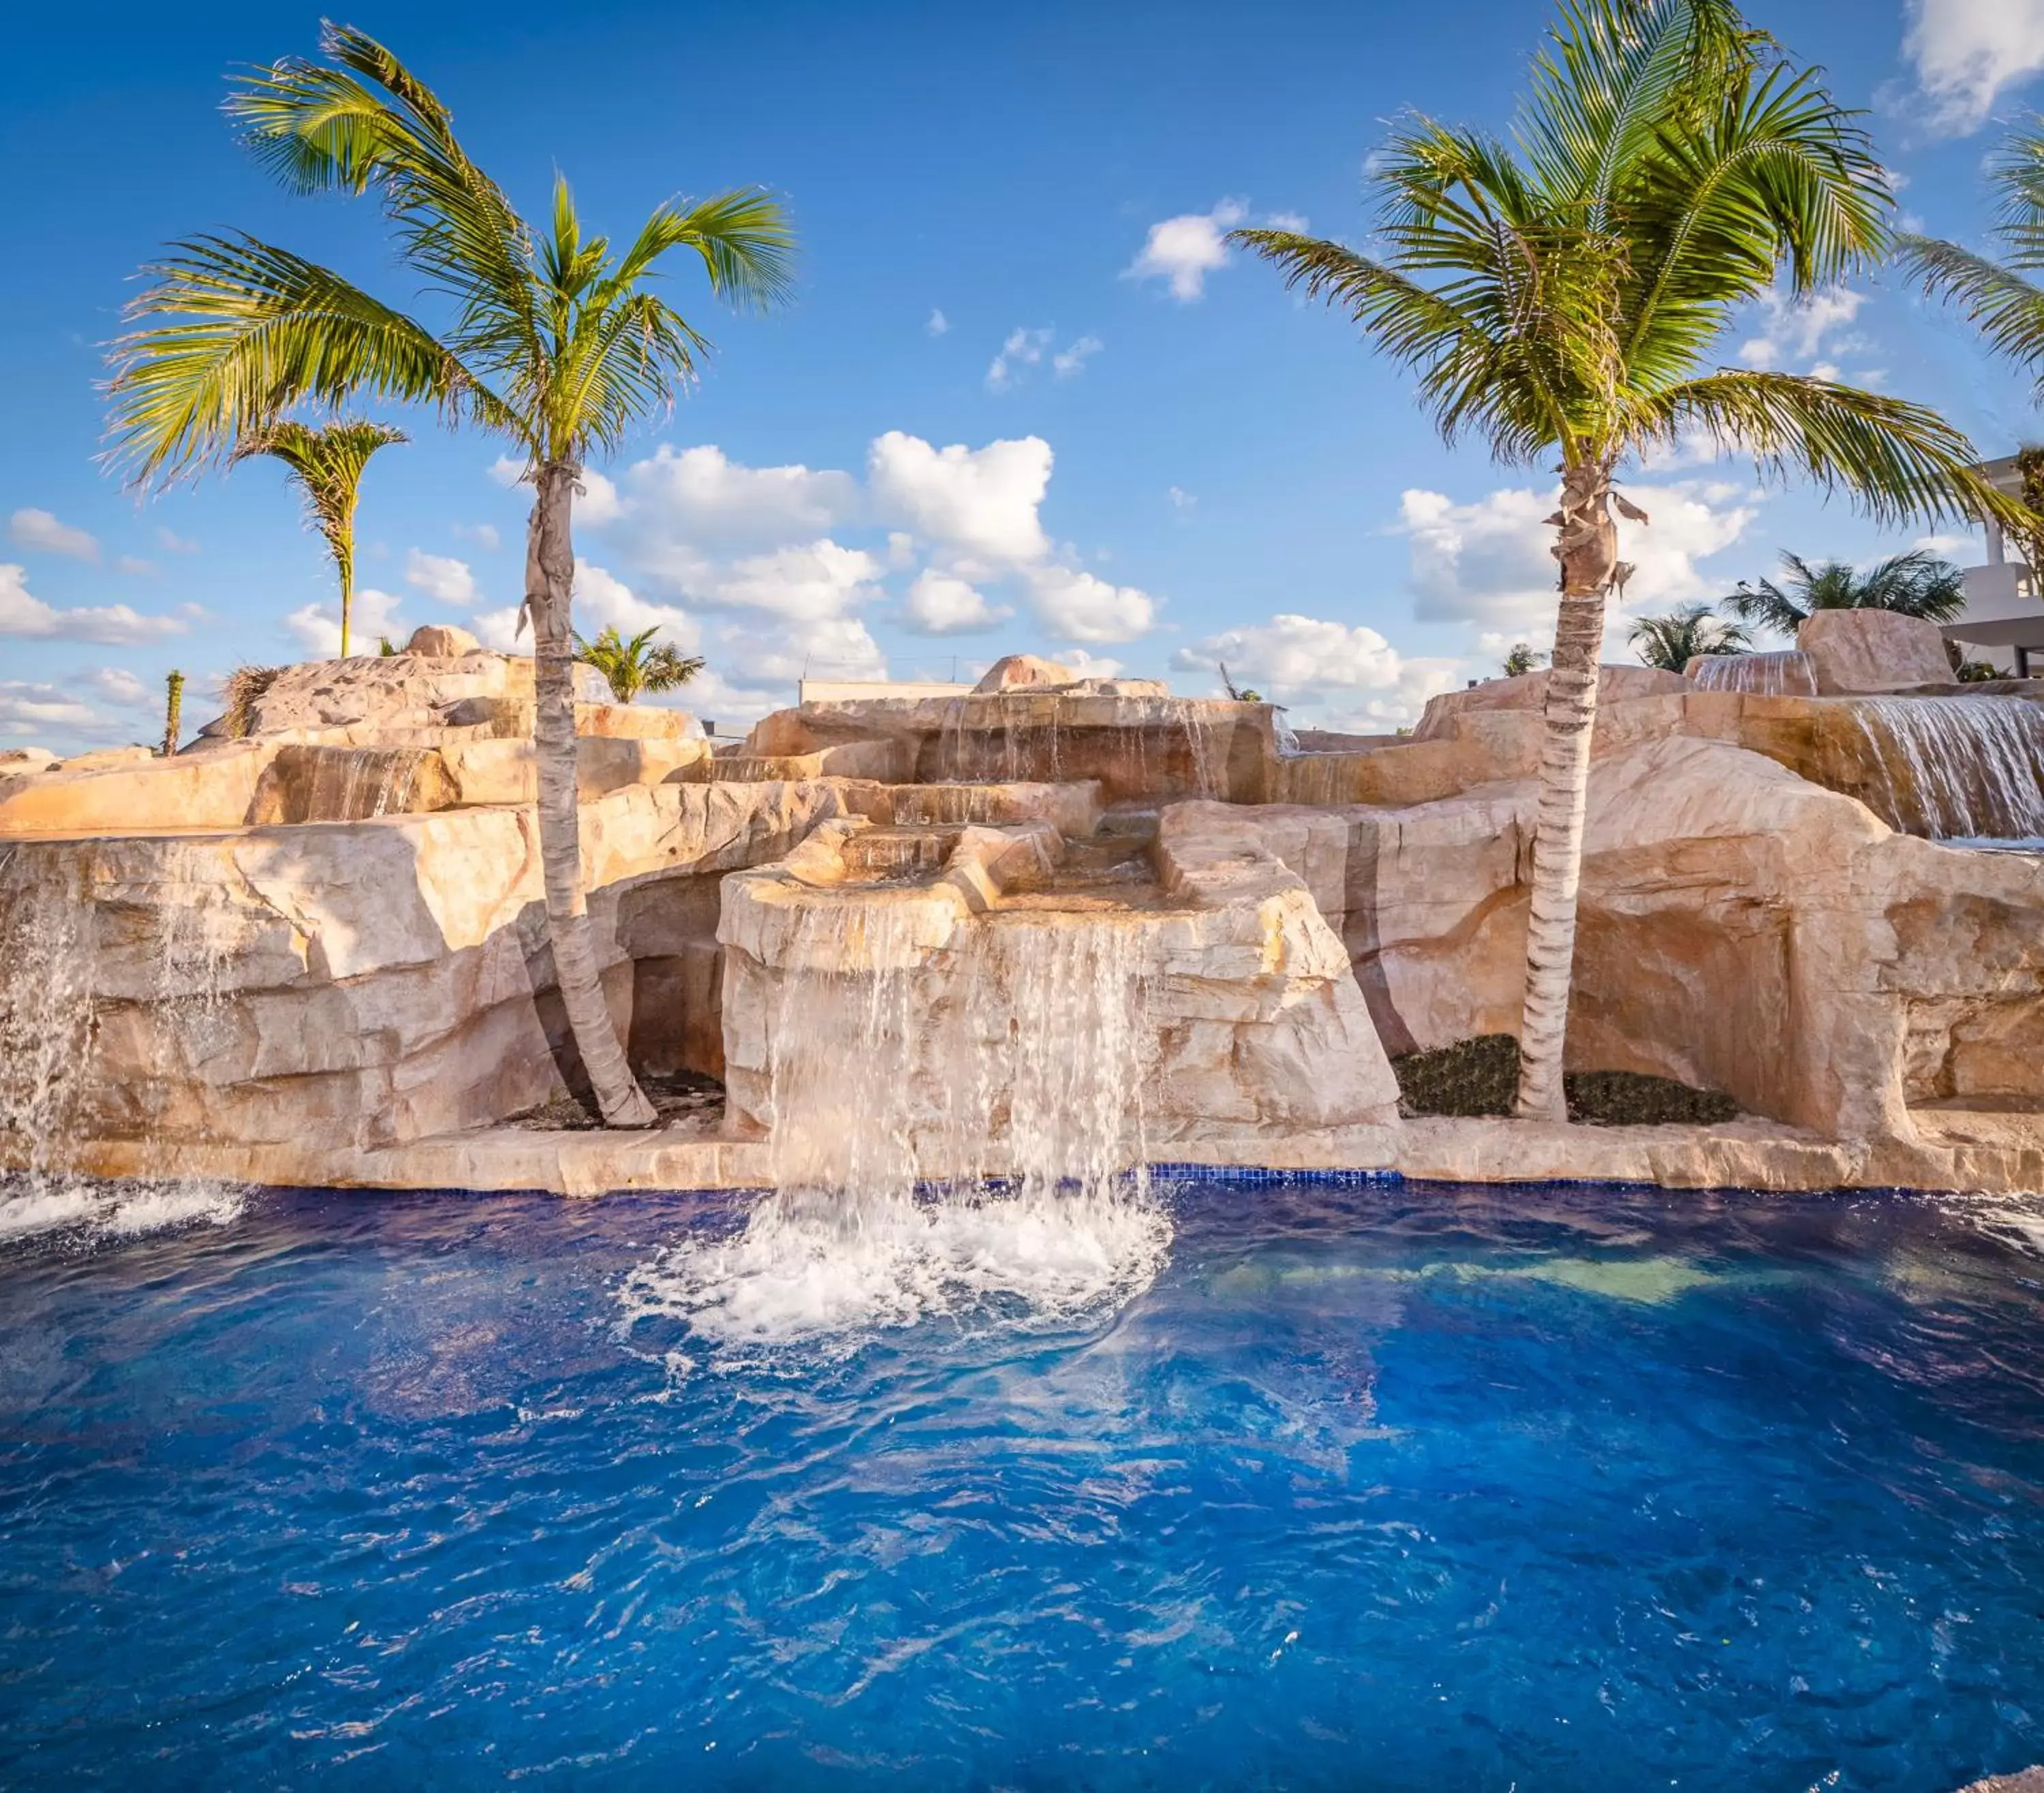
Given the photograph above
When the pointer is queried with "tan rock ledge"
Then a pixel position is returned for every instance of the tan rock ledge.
(1995, 1154)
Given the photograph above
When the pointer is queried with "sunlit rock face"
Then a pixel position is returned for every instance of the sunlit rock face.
(1243, 1016)
(368, 984)
(1852, 652)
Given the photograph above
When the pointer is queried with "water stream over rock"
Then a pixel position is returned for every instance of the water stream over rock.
(1955, 768)
(1042, 1106)
(1789, 675)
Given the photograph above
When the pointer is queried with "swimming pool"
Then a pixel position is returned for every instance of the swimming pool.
(1407, 1487)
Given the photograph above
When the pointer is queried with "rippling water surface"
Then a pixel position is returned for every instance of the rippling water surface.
(1393, 1488)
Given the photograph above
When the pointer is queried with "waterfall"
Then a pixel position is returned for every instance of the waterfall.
(1010, 1066)
(1792, 673)
(1954, 768)
(53, 1009)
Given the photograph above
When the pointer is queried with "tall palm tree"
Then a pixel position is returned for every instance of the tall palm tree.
(1559, 294)
(326, 465)
(1687, 632)
(1917, 584)
(630, 667)
(552, 340)
(2003, 299)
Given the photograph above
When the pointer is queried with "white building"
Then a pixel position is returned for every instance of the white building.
(2004, 619)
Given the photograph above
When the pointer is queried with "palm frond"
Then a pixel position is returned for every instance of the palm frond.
(1687, 632)
(1998, 302)
(234, 332)
(326, 464)
(744, 238)
(1896, 460)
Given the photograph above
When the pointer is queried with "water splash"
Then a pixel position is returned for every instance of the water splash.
(50, 1013)
(1024, 1094)
(1791, 674)
(1954, 768)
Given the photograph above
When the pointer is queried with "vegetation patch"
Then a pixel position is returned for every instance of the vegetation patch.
(1481, 1076)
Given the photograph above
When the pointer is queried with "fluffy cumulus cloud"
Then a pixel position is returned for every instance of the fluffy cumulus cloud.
(114, 625)
(981, 503)
(42, 533)
(1333, 673)
(1488, 562)
(699, 496)
(810, 582)
(943, 604)
(34, 712)
(442, 578)
(1967, 53)
(118, 685)
(1075, 605)
(317, 627)
(1182, 251)
(1801, 334)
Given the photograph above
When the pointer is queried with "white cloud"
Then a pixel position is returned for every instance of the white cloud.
(1966, 51)
(1067, 362)
(442, 578)
(119, 685)
(1073, 605)
(1185, 250)
(1180, 499)
(1334, 673)
(680, 505)
(1023, 348)
(41, 531)
(1798, 330)
(317, 627)
(1967, 550)
(136, 565)
(939, 604)
(170, 541)
(114, 625)
(1488, 562)
(601, 599)
(809, 582)
(483, 534)
(980, 503)
(26, 709)
(1296, 221)
(938, 324)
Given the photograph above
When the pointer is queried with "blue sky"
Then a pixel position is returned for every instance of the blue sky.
(1023, 400)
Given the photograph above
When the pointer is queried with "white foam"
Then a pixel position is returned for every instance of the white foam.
(831, 1273)
(31, 1205)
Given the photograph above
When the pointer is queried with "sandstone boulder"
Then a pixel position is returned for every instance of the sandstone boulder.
(1615, 685)
(441, 641)
(1854, 651)
(1014, 671)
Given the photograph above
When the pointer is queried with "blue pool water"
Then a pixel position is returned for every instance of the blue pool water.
(1392, 1488)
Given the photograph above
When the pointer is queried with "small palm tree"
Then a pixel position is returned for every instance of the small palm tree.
(552, 340)
(1559, 294)
(1917, 584)
(1521, 659)
(326, 465)
(1685, 634)
(637, 666)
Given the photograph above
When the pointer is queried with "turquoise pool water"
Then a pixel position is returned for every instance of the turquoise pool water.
(1391, 1487)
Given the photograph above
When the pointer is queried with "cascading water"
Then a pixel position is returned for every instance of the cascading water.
(1954, 768)
(1792, 674)
(1024, 1097)
(51, 1012)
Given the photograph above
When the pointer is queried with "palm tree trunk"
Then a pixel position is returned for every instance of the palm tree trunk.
(346, 603)
(1586, 547)
(549, 587)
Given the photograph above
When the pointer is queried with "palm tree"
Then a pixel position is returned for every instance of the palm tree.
(1917, 584)
(1686, 633)
(552, 340)
(1559, 294)
(2003, 299)
(326, 465)
(1522, 658)
(637, 666)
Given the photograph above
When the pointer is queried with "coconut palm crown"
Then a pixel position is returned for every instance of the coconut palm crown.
(630, 666)
(1916, 584)
(1558, 295)
(553, 340)
(326, 464)
(1687, 632)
